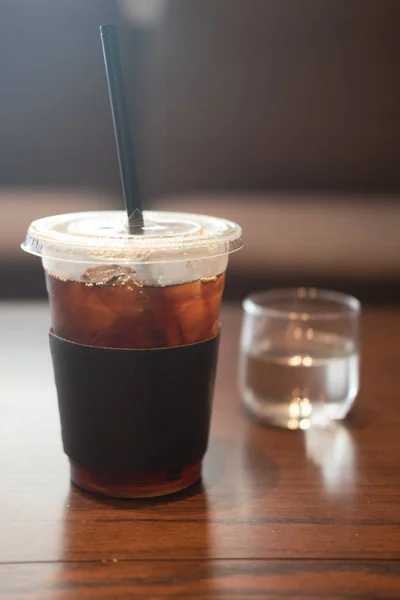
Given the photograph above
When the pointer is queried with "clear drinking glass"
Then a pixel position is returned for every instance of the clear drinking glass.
(299, 356)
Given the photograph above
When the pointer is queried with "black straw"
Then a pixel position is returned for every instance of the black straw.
(127, 167)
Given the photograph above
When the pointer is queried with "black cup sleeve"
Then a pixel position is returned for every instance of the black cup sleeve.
(134, 410)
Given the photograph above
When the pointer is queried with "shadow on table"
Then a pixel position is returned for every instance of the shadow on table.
(359, 418)
(238, 473)
(110, 530)
(137, 503)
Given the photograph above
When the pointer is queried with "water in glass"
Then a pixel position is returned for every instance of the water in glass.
(296, 385)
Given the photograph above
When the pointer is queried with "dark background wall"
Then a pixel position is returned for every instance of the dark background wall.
(55, 125)
(286, 94)
(244, 94)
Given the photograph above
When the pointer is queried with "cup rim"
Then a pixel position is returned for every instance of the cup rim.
(252, 304)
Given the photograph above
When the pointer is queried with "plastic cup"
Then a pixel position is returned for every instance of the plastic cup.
(134, 337)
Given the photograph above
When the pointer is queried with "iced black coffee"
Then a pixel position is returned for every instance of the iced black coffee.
(135, 323)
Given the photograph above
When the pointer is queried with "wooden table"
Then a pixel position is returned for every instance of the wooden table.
(278, 514)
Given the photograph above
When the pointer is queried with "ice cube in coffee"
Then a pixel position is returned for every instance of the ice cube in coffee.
(110, 307)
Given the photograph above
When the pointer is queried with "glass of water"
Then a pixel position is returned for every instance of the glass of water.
(299, 356)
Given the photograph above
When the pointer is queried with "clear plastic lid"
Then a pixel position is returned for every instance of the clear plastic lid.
(102, 236)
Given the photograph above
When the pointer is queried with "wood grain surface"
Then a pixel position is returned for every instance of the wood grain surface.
(227, 579)
(312, 514)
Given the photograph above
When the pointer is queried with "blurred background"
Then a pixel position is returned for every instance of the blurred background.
(281, 115)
